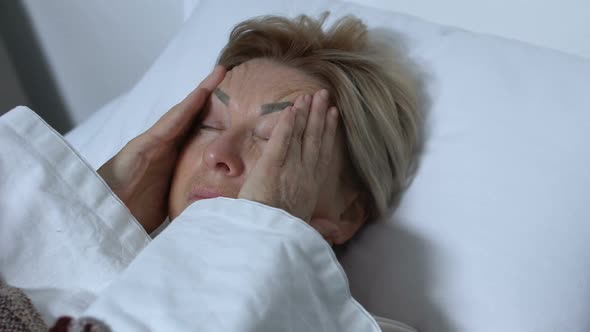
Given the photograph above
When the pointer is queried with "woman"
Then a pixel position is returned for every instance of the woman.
(273, 63)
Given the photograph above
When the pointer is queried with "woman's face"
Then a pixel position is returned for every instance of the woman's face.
(235, 127)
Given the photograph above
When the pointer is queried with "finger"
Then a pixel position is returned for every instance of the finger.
(275, 152)
(328, 142)
(214, 78)
(301, 106)
(195, 97)
(176, 122)
(312, 136)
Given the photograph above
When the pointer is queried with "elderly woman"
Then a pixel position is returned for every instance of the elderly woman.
(295, 127)
(268, 131)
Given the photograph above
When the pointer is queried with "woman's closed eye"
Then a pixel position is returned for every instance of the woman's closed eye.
(207, 129)
(209, 126)
(264, 130)
(261, 137)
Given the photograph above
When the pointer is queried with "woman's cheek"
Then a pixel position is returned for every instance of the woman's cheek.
(257, 148)
(252, 152)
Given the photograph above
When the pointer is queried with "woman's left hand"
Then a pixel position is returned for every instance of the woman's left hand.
(296, 159)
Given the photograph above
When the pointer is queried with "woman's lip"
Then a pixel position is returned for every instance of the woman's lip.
(198, 193)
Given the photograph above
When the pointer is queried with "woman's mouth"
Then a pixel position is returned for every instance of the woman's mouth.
(203, 193)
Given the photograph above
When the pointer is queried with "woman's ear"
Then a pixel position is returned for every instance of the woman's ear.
(326, 227)
(354, 215)
(338, 230)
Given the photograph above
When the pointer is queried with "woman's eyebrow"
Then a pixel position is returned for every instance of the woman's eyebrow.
(274, 107)
(264, 109)
(222, 96)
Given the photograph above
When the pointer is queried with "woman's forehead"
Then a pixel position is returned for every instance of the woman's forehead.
(264, 81)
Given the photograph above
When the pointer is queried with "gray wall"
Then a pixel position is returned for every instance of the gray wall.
(29, 63)
(11, 92)
(71, 57)
(97, 50)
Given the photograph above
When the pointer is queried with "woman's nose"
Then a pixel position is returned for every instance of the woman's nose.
(223, 155)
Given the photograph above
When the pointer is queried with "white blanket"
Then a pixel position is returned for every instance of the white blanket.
(223, 265)
(63, 234)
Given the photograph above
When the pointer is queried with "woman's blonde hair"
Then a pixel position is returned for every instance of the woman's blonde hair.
(368, 82)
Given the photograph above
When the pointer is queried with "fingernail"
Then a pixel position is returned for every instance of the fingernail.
(334, 112)
(307, 99)
(324, 93)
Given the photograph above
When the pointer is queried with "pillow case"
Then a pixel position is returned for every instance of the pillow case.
(493, 233)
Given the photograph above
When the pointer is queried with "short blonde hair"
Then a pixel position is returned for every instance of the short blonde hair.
(369, 83)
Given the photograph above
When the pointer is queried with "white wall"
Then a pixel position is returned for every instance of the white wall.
(99, 49)
(557, 24)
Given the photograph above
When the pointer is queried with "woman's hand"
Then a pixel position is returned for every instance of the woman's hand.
(296, 159)
(141, 173)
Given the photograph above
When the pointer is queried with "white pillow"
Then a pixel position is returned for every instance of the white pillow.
(493, 234)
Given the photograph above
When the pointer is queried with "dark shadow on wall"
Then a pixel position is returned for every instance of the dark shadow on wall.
(390, 269)
(34, 73)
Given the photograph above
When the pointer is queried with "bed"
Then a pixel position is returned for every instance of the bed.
(493, 234)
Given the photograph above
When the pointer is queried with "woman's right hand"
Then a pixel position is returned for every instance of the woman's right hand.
(141, 173)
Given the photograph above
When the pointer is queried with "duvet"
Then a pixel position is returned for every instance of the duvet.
(224, 264)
